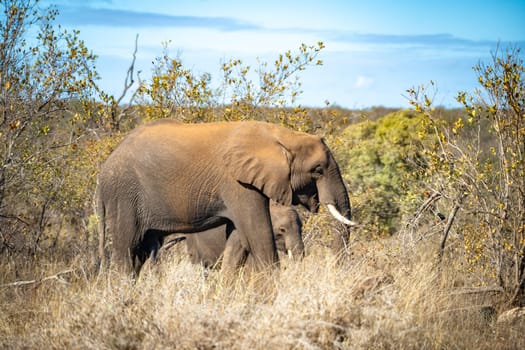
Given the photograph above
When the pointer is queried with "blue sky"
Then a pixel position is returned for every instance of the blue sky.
(375, 49)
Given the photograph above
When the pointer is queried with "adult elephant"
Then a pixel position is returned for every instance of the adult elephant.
(207, 248)
(167, 177)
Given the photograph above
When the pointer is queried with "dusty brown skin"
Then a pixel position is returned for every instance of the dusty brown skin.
(206, 248)
(167, 177)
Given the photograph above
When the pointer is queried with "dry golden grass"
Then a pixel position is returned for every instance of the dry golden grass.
(381, 296)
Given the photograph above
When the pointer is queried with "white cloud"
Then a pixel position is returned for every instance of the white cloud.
(363, 82)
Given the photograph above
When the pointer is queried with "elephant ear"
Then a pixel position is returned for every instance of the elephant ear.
(262, 164)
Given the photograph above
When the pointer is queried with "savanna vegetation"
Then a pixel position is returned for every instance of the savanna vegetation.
(439, 195)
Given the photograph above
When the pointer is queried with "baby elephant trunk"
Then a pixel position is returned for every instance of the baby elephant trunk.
(294, 248)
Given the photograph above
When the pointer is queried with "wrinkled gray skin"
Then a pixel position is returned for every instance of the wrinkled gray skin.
(167, 177)
(206, 248)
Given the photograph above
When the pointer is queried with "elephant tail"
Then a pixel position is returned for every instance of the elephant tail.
(100, 210)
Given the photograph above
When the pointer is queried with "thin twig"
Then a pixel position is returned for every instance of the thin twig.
(423, 208)
(36, 281)
(478, 290)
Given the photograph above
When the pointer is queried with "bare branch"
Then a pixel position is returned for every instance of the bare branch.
(448, 226)
(128, 82)
(56, 276)
(117, 116)
(423, 208)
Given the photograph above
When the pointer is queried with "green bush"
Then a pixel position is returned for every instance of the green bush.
(383, 161)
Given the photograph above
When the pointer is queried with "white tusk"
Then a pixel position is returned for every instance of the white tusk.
(336, 214)
(290, 255)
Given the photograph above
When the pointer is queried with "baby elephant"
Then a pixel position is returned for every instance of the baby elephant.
(207, 247)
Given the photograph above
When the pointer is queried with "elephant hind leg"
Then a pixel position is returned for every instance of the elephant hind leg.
(125, 237)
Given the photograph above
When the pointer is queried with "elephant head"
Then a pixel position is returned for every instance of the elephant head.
(291, 168)
(287, 230)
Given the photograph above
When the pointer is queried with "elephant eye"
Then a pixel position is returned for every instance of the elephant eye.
(318, 171)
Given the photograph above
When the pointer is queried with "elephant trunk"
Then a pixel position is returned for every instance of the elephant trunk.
(341, 211)
(333, 193)
(294, 248)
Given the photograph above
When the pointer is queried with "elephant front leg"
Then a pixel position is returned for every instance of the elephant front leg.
(251, 217)
(234, 255)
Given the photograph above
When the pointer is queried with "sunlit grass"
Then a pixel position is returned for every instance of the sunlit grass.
(379, 296)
